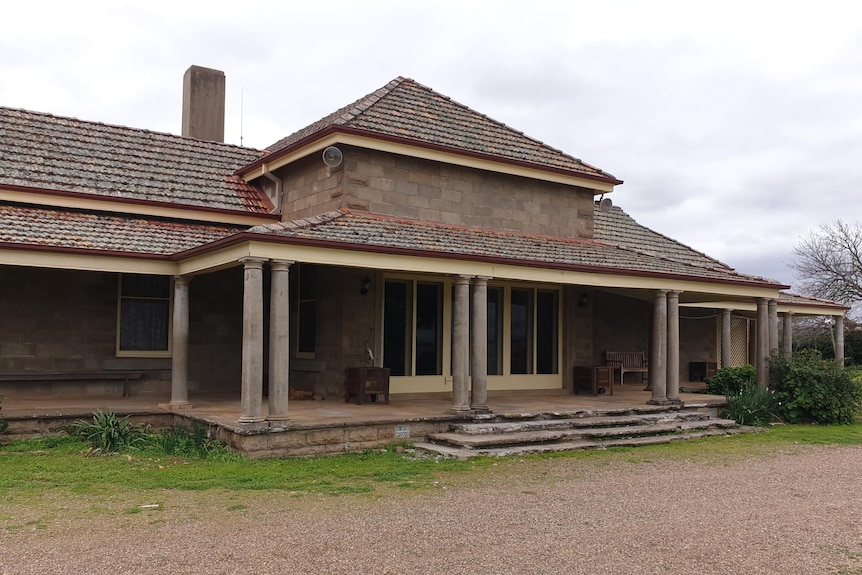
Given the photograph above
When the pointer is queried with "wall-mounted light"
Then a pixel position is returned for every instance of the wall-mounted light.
(366, 286)
(583, 300)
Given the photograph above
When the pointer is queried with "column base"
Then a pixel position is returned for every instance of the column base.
(253, 424)
(659, 402)
(282, 421)
(480, 409)
(675, 401)
(459, 410)
(175, 406)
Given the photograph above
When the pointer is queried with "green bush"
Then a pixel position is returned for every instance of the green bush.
(4, 425)
(810, 389)
(181, 440)
(752, 405)
(107, 433)
(731, 380)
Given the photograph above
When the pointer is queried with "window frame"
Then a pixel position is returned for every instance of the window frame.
(159, 353)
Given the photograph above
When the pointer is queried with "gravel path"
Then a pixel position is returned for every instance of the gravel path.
(798, 512)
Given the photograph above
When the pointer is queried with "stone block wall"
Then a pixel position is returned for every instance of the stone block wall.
(401, 186)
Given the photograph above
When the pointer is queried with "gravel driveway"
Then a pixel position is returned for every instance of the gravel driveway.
(797, 512)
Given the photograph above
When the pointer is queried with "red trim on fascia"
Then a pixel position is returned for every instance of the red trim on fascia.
(84, 251)
(252, 236)
(139, 202)
(419, 144)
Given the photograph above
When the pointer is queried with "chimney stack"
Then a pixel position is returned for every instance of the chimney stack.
(203, 104)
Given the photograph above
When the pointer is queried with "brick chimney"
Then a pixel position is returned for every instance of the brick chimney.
(203, 104)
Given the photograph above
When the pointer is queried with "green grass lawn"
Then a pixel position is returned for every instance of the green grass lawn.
(40, 478)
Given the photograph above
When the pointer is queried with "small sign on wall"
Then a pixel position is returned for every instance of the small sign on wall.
(402, 431)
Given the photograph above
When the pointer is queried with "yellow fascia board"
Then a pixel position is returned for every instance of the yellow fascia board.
(433, 155)
(809, 310)
(86, 262)
(215, 260)
(445, 266)
(749, 306)
(113, 205)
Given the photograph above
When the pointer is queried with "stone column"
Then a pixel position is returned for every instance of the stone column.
(252, 343)
(461, 346)
(658, 351)
(279, 341)
(726, 343)
(773, 325)
(788, 333)
(761, 359)
(839, 340)
(180, 346)
(479, 345)
(673, 347)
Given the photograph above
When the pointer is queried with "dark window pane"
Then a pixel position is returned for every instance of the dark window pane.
(546, 332)
(522, 326)
(144, 325)
(395, 323)
(307, 326)
(495, 331)
(148, 286)
(429, 325)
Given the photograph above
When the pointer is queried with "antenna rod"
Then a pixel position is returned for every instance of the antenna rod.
(241, 99)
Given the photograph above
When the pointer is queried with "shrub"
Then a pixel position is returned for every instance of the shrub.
(752, 405)
(810, 389)
(731, 380)
(107, 433)
(181, 440)
(4, 425)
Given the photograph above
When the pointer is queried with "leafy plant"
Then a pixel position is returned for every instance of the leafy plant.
(731, 380)
(4, 425)
(752, 405)
(181, 440)
(107, 433)
(810, 389)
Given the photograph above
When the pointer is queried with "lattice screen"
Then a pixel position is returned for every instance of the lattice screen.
(739, 333)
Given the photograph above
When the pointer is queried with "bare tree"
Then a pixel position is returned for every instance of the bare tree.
(829, 261)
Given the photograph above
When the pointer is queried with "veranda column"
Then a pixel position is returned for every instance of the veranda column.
(279, 341)
(839, 340)
(788, 333)
(658, 352)
(251, 400)
(726, 345)
(673, 347)
(761, 359)
(460, 346)
(479, 345)
(773, 326)
(180, 346)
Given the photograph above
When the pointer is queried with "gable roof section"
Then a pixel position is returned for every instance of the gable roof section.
(344, 228)
(58, 229)
(407, 111)
(42, 152)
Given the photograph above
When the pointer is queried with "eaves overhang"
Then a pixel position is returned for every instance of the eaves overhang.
(346, 135)
(123, 205)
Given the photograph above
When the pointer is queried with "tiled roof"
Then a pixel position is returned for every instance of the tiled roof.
(372, 231)
(616, 226)
(68, 229)
(408, 110)
(788, 298)
(69, 155)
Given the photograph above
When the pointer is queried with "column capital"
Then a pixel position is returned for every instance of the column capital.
(463, 280)
(182, 280)
(281, 265)
(480, 280)
(252, 263)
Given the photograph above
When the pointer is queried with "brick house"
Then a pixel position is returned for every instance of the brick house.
(431, 240)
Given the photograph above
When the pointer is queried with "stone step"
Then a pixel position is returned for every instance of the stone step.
(543, 436)
(466, 453)
(575, 422)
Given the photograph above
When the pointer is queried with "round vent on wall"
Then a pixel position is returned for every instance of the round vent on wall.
(332, 157)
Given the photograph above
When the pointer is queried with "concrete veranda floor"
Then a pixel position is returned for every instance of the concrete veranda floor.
(224, 409)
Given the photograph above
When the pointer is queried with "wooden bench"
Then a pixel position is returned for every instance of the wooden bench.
(628, 362)
(112, 375)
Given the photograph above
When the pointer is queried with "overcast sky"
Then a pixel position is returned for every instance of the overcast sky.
(736, 125)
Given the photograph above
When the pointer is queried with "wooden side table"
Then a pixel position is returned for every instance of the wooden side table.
(362, 381)
(593, 378)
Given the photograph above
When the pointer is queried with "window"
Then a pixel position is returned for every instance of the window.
(306, 314)
(534, 333)
(495, 331)
(409, 351)
(145, 308)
